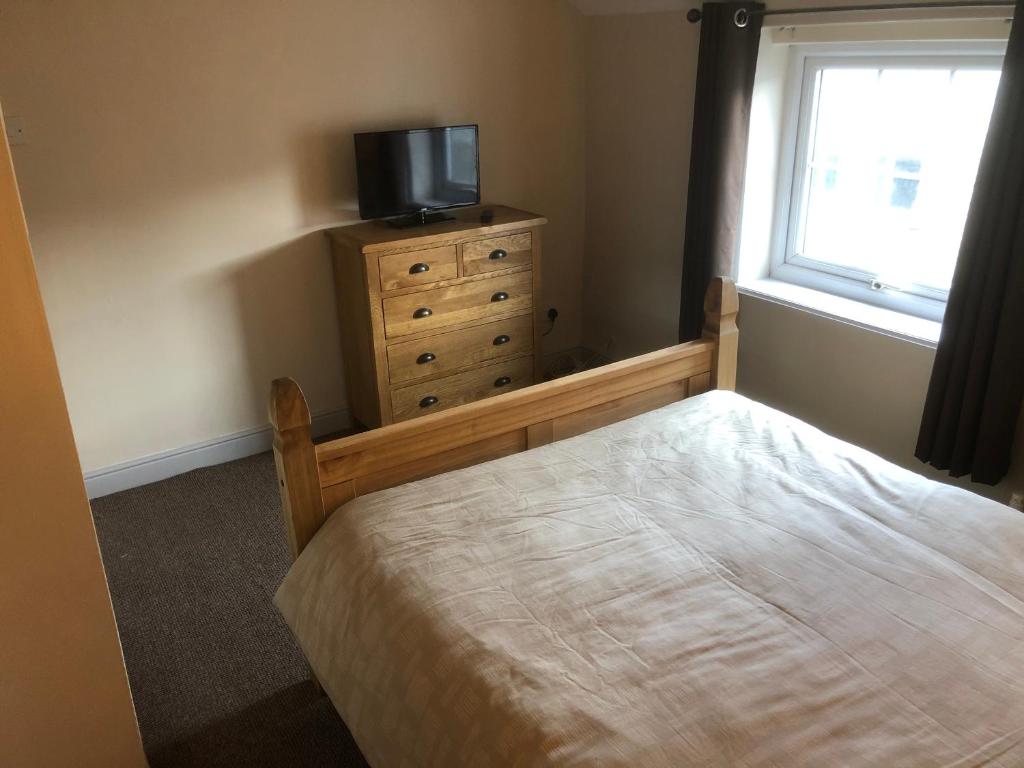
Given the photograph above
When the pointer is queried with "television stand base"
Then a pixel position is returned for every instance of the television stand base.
(419, 219)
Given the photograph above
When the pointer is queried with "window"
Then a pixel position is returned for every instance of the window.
(885, 150)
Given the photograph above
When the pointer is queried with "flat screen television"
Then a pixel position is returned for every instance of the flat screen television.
(417, 172)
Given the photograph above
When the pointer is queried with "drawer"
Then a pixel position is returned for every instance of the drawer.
(452, 351)
(441, 394)
(497, 253)
(477, 300)
(411, 268)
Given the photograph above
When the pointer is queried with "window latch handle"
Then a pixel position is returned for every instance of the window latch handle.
(878, 285)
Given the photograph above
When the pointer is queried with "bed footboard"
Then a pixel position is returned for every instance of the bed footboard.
(316, 480)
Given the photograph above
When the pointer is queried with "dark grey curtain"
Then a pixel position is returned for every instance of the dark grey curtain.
(977, 382)
(718, 155)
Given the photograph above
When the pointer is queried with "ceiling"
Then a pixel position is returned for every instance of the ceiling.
(609, 7)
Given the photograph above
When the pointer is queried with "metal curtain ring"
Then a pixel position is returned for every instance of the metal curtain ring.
(741, 18)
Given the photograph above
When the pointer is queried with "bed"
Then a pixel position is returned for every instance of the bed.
(675, 575)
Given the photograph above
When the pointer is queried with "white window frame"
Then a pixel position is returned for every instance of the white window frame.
(805, 62)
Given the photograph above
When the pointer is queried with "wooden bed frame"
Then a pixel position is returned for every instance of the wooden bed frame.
(317, 479)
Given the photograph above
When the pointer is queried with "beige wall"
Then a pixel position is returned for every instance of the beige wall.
(641, 70)
(863, 386)
(860, 385)
(64, 693)
(183, 155)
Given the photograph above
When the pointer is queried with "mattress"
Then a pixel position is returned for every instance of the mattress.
(710, 584)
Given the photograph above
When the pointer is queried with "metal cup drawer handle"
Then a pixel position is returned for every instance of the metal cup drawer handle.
(497, 253)
(419, 267)
(503, 339)
(502, 381)
(426, 357)
(500, 296)
(428, 401)
(422, 312)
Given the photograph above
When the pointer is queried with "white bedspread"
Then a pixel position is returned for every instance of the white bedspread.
(710, 584)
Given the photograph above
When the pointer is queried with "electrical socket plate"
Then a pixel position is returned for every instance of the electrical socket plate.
(15, 131)
(1017, 500)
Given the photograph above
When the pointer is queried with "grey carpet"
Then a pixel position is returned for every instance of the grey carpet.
(192, 563)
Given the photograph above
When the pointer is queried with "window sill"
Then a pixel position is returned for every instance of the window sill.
(917, 330)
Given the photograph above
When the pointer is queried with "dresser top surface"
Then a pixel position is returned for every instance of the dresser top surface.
(373, 236)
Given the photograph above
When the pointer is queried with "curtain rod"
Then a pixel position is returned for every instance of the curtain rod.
(742, 16)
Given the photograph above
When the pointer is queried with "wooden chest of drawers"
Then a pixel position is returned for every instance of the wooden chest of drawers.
(437, 316)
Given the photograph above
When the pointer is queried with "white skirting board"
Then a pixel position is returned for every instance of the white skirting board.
(160, 466)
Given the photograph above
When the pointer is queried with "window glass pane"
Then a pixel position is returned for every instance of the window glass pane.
(891, 159)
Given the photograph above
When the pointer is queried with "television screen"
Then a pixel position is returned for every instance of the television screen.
(401, 172)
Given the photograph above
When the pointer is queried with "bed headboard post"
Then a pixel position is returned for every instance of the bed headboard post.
(297, 472)
(721, 304)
